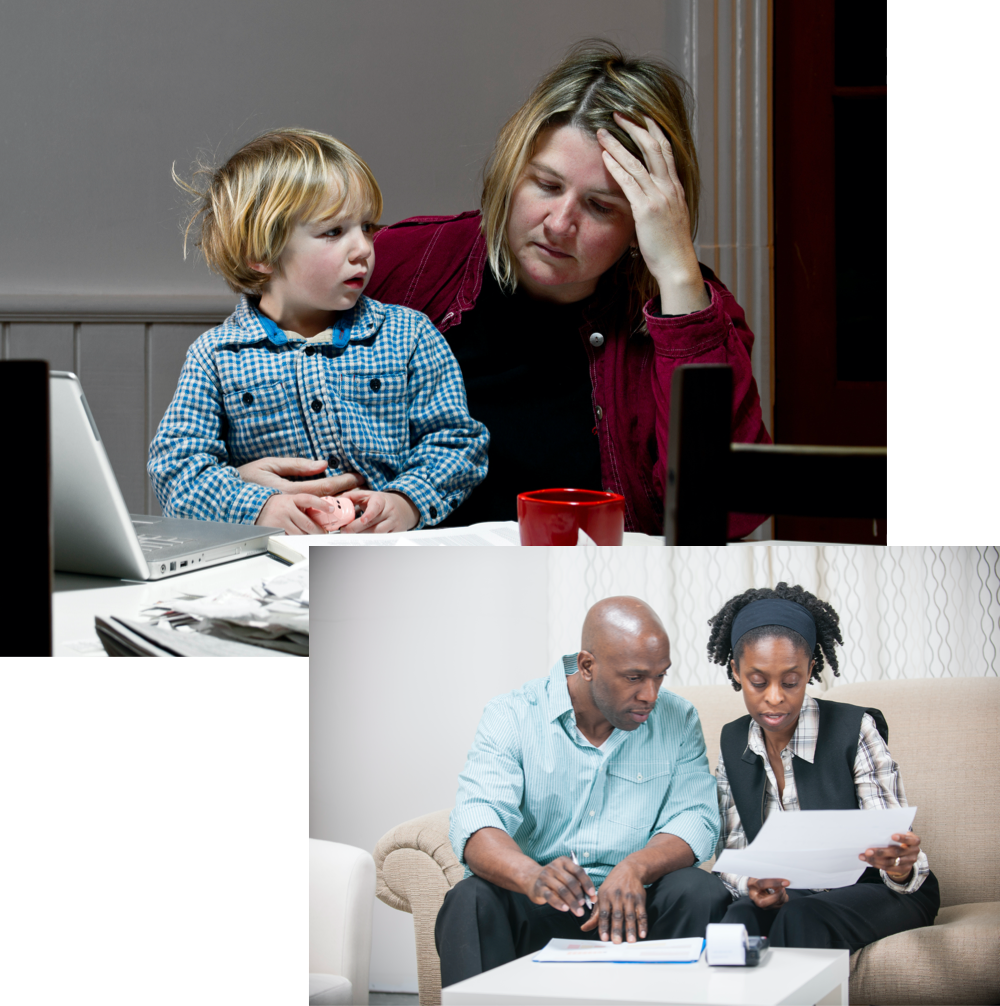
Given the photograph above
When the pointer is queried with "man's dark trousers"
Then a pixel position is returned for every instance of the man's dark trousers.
(481, 926)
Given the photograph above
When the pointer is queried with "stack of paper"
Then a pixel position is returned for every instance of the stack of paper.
(641, 952)
(271, 613)
(295, 548)
(816, 848)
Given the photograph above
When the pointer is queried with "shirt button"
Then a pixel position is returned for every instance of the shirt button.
(639, 777)
(597, 340)
(310, 350)
(586, 855)
(591, 813)
(247, 398)
(317, 405)
(332, 461)
(600, 413)
(433, 511)
(374, 384)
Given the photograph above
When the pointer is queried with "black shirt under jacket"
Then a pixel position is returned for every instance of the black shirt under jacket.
(527, 379)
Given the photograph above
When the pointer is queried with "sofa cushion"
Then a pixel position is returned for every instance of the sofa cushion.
(948, 962)
(944, 734)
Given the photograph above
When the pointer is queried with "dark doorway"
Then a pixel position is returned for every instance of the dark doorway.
(829, 128)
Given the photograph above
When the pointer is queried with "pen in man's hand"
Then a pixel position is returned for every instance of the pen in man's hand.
(576, 862)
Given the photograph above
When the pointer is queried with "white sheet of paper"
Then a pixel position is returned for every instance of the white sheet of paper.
(502, 533)
(683, 951)
(816, 848)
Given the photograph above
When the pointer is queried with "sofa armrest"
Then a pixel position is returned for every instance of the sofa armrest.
(953, 961)
(427, 835)
(341, 899)
(415, 868)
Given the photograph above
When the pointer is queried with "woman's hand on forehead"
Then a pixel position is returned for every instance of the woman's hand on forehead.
(659, 208)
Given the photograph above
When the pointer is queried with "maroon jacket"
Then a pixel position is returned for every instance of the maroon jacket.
(435, 265)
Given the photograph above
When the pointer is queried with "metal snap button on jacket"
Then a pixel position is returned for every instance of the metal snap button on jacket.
(316, 405)
(600, 413)
(247, 398)
(597, 340)
(374, 384)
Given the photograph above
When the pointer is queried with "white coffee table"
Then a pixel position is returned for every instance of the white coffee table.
(784, 976)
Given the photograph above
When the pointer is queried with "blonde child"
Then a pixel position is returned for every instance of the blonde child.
(307, 366)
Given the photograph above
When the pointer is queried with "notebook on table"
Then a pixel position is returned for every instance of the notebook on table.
(92, 529)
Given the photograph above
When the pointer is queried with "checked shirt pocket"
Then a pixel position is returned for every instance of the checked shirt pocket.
(635, 794)
(261, 421)
(373, 416)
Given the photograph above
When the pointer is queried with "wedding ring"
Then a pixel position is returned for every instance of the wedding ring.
(897, 861)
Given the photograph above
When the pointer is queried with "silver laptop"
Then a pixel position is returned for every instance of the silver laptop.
(93, 530)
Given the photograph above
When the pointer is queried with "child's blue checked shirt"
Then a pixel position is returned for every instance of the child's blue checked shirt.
(389, 405)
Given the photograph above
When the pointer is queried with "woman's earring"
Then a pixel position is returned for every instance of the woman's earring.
(633, 250)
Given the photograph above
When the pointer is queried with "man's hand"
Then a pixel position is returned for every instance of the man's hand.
(561, 884)
(271, 472)
(897, 860)
(620, 912)
(288, 513)
(768, 893)
(383, 512)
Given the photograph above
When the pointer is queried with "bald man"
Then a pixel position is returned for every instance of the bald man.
(593, 760)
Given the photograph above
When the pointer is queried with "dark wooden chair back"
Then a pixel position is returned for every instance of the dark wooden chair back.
(708, 477)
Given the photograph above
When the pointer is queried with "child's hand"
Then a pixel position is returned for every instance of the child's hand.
(767, 893)
(273, 472)
(383, 512)
(288, 512)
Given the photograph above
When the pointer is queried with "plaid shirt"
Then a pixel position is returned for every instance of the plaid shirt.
(876, 779)
(390, 405)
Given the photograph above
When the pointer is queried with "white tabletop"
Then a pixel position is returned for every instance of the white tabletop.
(784, 976)
(77, 599)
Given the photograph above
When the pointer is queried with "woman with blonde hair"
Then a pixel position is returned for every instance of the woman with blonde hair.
(573, 294)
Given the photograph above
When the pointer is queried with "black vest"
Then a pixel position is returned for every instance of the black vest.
(826, 784)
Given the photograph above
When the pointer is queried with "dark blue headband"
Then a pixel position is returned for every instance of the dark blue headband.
(775, 611)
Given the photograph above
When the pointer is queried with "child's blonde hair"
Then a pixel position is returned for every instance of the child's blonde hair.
(247, 211)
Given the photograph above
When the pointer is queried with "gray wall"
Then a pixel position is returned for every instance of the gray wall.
(393, 713)
(100, 98)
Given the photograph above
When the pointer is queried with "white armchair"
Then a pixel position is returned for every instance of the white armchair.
(341, 898)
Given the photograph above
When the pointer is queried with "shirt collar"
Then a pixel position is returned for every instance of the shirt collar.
(803, 742)
(559, 701)
(359, 323)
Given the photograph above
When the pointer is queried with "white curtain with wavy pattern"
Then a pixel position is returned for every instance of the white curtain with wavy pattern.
(904, 612)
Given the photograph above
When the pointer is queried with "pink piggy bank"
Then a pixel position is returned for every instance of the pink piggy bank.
(342, 513)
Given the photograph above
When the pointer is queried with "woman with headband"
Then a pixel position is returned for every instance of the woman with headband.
(794, 752)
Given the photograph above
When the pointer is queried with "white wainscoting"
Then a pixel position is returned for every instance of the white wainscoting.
(127, 352)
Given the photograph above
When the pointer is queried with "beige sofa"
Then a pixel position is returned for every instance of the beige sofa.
(945, 735)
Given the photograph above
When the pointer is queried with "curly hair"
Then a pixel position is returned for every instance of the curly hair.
(720, 647)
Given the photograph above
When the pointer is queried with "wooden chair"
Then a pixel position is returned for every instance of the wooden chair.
(708, 477)
(26, 510)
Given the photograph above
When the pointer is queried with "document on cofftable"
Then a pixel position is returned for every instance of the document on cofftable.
(816, 848)
(641, 952)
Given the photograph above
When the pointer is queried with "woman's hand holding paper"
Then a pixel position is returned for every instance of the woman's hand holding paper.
(896, 860)
(768, 893)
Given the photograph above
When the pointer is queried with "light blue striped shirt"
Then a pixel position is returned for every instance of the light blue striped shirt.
(532, 774)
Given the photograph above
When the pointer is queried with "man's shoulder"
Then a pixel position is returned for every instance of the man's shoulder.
(671, 704)
(531, 694)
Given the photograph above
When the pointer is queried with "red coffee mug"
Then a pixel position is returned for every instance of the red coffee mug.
(554, 516)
